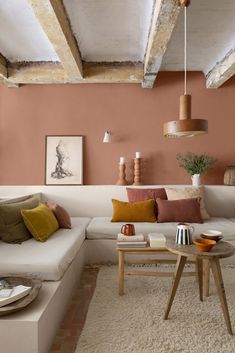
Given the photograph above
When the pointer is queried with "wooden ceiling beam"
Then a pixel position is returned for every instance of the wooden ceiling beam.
(44, 72)
(52, 16)
(164, 19)
(222, 71)
(4, 72)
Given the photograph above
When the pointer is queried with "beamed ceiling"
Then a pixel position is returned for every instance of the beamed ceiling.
(108, 41)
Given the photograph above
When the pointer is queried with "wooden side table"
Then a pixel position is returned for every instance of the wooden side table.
(144, 251)
(220, 250)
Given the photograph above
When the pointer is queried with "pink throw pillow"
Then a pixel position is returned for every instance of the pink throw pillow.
(61, 214)
(185, 210)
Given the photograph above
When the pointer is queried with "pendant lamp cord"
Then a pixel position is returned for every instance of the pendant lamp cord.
(185, 49)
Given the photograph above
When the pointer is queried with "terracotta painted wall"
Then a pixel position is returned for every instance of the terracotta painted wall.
(134, 115)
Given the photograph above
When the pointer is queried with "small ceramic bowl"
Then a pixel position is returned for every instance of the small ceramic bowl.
(204, 245)
(213, 235)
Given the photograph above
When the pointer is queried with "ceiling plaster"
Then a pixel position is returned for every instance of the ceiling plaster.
(111, 30)
(211, 34)
(21, 36)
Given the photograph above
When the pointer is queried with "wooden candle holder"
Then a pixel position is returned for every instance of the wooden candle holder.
(137, 172)
(122, 175)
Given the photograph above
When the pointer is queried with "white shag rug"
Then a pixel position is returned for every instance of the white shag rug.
(134, 323)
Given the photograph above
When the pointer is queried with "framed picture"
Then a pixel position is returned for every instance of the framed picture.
(64, 160)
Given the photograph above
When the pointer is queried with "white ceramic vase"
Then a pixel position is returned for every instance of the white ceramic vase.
(196, 180)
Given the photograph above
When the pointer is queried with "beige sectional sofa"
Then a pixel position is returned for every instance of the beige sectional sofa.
(59, 261)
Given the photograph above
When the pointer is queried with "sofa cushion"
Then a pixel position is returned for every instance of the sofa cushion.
(40, 221)
(185, 210)
(47, 261)
(12, 228)
(188, 193)
(103, 228)
(133, 211)
(60, 213)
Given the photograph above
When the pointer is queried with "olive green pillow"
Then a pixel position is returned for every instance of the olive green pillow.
(142, 211)
(12, 227)
(40, 221)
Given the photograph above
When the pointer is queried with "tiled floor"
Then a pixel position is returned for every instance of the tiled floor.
(74, 319)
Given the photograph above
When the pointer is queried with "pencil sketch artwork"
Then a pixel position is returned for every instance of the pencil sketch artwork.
(64, 157)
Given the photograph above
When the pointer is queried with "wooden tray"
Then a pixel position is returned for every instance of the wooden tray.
(23, 302)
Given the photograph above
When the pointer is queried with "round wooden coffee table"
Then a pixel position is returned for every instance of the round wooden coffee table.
(221, 250)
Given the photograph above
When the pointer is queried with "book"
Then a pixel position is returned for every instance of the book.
(18, 292)
(132, 244)
(157, 240)
(130, 238)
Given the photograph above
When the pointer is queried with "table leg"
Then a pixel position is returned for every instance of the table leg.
(206, 277)
(176, 278)
(121, 264)
(216, 270)
(199, 275)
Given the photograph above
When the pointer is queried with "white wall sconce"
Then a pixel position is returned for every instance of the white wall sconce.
(107, 137)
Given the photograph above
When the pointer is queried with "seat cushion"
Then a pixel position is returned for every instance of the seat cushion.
(103, 228)
(47, 261)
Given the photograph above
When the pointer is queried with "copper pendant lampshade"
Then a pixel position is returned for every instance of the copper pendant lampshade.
(185, 126)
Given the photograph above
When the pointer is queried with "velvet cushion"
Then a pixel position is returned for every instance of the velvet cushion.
(136, 195)
(12, 227)
(189, 192)
(133, 211)
(185, 210)
(40, 221)
(61, 214)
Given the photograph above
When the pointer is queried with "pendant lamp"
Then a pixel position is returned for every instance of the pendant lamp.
(185, 126)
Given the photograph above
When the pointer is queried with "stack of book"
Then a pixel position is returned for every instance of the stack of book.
(10, 293)
(131, 241)
(157, 240)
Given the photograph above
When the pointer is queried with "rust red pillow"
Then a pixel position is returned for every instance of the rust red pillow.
(61, 214)
(185, 210)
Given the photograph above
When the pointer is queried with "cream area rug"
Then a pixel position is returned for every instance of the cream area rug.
(134, 323)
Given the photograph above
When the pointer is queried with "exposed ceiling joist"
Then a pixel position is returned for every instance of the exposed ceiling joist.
(53, 18)
(93, 73)
(163, 22)
(4, 73)
(222, 71)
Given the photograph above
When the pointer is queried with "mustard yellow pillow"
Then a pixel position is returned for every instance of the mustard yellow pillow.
(40, 221)
(133, 211)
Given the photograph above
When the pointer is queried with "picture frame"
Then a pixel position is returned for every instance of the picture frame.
(64, 160)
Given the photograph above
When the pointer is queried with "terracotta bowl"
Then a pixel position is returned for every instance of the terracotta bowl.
(204, 245)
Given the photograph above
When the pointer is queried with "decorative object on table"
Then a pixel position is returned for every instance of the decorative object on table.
(122, 172)
(137, 169)
(107, 137)
(185, 126)
(229, 175)
(128, 229)
(184, 234)
(131, 241)
(64, 160)
(157, 240)
(132, 244)
(195, 165)
(213, 235)
(134, 238)
(35, 285)
(204, 245)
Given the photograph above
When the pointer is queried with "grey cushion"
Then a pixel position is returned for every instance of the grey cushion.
(12, 228)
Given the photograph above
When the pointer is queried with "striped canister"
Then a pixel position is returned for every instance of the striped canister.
(184, 234)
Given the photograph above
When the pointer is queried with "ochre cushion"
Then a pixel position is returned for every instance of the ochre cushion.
(133, 211)
(61, 214)
(40, 221)
(185, 210)
(12, 228)
(189, 193)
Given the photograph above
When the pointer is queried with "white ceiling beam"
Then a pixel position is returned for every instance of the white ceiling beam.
(40, 73)
(222, 71)
(53, 18)
(164, 19)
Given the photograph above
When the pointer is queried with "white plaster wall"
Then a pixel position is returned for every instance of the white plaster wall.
(211, 33)
(111, 30)
(21, 36)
